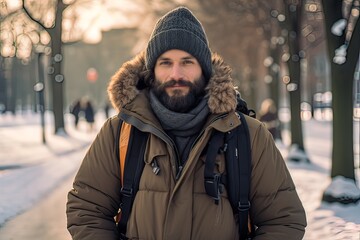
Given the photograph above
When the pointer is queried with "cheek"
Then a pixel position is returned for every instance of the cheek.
(196, 69)
(160, 76)
(196, 74)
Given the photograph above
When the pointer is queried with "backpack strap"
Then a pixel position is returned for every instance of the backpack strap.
(238, 167)
(237, 148)
(212, 180)
(123, 146)
(132, 143)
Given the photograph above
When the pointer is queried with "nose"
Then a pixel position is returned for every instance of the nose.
(176, 72)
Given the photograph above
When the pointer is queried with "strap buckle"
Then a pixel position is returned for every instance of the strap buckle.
(212, 187)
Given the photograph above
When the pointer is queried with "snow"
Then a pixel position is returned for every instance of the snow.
(338, 30)
(340, 54)
(296, 153)
(338, 27)
(29, 170)
(341, 186)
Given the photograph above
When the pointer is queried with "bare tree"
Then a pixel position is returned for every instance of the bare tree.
(27, 24)
(343, 40)
(39, 14)
(293, 13)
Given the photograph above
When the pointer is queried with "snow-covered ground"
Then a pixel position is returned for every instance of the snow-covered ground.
(29, 170)
(325, 221)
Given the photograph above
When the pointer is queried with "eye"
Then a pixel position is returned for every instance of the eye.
(165, 62)
(188, 62)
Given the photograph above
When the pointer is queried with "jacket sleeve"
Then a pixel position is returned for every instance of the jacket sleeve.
(276, 209)
(94, 200)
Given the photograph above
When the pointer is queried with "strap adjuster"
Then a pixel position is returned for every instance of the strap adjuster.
(127, 192)
(244, 206)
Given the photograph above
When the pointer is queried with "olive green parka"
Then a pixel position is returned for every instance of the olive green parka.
(170, 205)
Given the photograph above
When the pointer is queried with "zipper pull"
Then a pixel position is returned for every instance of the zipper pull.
(179, 173)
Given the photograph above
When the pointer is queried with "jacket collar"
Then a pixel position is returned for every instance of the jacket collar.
(124, 84)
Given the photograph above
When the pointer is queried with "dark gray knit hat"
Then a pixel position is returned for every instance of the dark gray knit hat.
(179, 29)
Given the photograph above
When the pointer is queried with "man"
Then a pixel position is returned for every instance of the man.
(179, 92)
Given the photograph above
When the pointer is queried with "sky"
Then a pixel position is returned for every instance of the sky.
(30, 170)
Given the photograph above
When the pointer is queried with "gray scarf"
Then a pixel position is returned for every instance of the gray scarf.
(183, 128)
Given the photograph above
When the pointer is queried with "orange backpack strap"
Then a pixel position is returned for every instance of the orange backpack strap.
(123, 146)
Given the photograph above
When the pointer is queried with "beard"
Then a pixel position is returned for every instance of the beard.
(179, 102)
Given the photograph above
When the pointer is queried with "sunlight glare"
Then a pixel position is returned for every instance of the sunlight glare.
(7, 50)
(93, 35)
(13, 5)
(44, 38)
(49, 19)
(355, 12)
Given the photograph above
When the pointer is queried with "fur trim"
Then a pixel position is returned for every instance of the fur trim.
(123, 86)
(220, 89)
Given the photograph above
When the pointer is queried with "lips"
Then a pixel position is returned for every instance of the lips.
(177, 86)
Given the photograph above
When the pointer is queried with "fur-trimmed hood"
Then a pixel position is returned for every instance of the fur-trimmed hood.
(124, 84)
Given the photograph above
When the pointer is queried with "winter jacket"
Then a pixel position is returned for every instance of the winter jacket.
(172, 205)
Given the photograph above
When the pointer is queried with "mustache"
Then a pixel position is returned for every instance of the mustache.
(172, 83)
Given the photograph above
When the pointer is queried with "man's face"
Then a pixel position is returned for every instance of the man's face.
(179, 82)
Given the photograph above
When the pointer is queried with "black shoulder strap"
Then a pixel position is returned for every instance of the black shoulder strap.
(236, 146)
(134, 165)
(211, 179)
(239, 174)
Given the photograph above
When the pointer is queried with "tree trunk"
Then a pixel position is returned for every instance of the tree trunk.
(275, 84)
(57, 77)
(342, 80)
(293, 20)
(342, 91)
(274, 73)
(13, 92)
(3, 87)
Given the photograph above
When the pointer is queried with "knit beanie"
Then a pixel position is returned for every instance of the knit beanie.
(179, 29)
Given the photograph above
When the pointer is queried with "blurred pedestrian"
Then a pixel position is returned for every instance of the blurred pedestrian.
(107, 109)
(269, 116)
(75, 109)
(89, 114)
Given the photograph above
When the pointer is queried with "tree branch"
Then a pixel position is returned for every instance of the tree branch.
(31, 17)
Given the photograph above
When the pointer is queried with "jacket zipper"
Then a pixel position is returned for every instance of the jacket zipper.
(157, 132)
